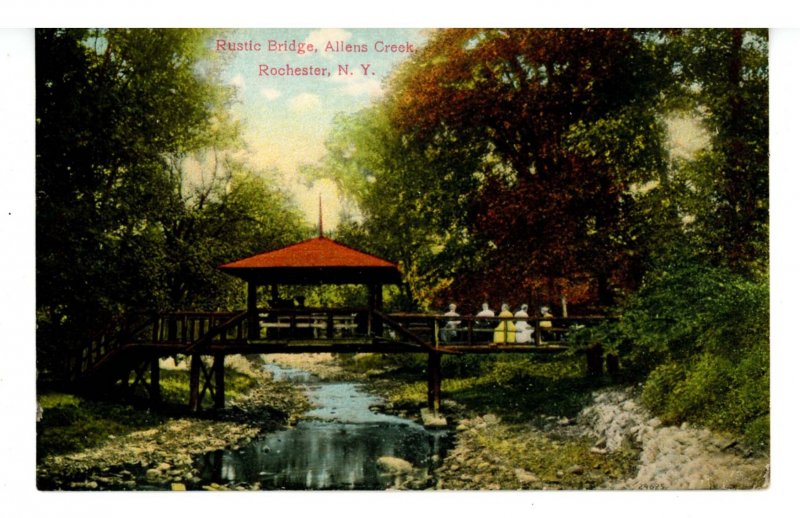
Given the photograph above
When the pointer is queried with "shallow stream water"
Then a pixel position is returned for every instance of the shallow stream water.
(335, 446)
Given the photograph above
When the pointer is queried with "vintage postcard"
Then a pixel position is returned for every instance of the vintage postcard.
(402, 259)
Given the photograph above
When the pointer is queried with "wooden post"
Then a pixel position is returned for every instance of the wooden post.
(371, 306)
(219, 381)
(155, 383)
(434, 382)
(594, 360)
(172, 328)
(329, 326)
(612, 364)
(564, 306)
(378, 306)
(537, 333)
(194, 383)
(252, 311)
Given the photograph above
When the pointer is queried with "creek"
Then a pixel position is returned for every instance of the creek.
(336, 445)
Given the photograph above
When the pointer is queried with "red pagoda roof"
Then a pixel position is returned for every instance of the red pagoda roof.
(315, 260)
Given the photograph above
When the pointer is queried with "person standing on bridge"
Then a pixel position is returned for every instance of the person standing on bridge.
(523, 328)
(450, 330)
(504, 333)
(485, 312)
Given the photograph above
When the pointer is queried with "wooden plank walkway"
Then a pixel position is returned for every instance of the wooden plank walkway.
(133, 346)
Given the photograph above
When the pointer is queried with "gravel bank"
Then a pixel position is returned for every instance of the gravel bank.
(612, 444)
(161, 456)
(672, 457)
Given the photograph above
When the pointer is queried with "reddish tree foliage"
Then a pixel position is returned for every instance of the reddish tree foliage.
(559, 116)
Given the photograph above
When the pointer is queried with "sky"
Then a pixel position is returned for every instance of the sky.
(286, 118)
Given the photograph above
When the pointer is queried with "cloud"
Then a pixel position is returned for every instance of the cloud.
(359, 87)
(358, 84)
(270, 93)
(238, 81)
(304, 102)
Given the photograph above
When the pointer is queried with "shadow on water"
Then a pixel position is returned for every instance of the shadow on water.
(336, 446)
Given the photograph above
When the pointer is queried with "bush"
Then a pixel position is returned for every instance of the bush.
(701, 337)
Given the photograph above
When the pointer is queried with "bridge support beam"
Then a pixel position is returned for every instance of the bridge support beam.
(594, 360)
(194, 383)
(155, 383)
(434, 382)
(253, 329)
(219, 381)
(202, 380)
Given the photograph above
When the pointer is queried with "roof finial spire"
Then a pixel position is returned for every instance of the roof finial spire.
(320, 215)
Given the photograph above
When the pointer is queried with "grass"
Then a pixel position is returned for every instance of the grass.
(518, 389)
(514, 387)
(560, 463)
(72, 423)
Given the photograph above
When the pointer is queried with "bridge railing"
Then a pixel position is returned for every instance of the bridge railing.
(187, 327)
(470, 330)
(120, 331)
(313, 324)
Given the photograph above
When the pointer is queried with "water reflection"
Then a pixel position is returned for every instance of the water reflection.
(320, 455)
(337, 448)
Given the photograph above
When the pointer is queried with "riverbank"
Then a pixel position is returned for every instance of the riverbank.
(523, 425)
(155, 451)
(517, 424)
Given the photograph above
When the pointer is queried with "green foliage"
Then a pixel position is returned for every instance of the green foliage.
(724, 75)
(175, 386)
(138, 198)
(71, 424)
(467, 365)
(702, 334)
(513, 386)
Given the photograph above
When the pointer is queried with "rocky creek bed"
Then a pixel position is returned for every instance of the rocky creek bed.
(161, 457)
(613, 443)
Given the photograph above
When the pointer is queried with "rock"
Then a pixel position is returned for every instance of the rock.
(394, 465)
(491, 419)
(432, 420)
(575, 470)
(525, 477)
(484, 466)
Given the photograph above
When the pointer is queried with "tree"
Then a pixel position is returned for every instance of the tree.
(118, 225)
(530, 140)
(726, 81)
(412, 195)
